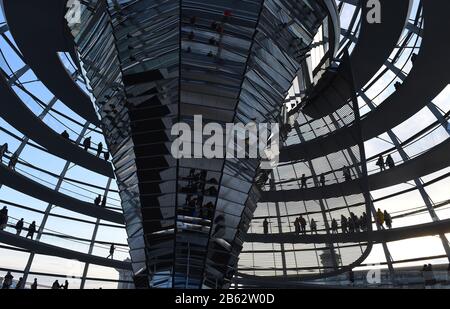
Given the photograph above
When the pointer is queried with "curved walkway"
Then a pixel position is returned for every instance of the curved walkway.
(415, 231)
(40, 38)
(32, 188)
(18, 115)
(428, 77)
(435, 159)
(46, 249)
(375, 43)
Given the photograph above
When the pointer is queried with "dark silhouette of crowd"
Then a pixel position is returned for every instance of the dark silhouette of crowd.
(87, 144)
(383, 217)
(8, 282)
(14, 158)
(19, 226)
(382, 164)
(350, 224)
(57, 286)
(428, 275)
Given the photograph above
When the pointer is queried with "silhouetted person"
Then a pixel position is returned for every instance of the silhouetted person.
(380, 217)
(322, 180)
(302, 224)
(355, 221)
(380, 163)
(397, 85)
(413, 58)
(351, 225)
(297, 226)
(351, 277)
(66, 285)
(334, 226)
(346, 173)
(313, 226)
(99, 149)
(363, 223)
(87, 143)
(56, 285)
(106, 155)
(3, 218)
(390, 162)
(429, 275)
(104, 200)
(98, 200)
(344, 224)
(13, 161)
(3, 151)
(266, 226)
(111, 251)
(7, 281)
(31, 230)
(65, 134)
(19, 284)
(19, 227)
(34, 285)
(425, 274)
(387, 219)
(303, 182)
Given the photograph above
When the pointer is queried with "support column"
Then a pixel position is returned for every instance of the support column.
(94, 236)
(50, 206)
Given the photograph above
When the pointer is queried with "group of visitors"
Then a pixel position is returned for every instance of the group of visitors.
(57, 286)
(19, 227)
(346, 171)
(383, 217)
(300, 225)
(87, 143)
(351, 224)
(304, 184)
(20, 284)
(12, 160)
(389, 162)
